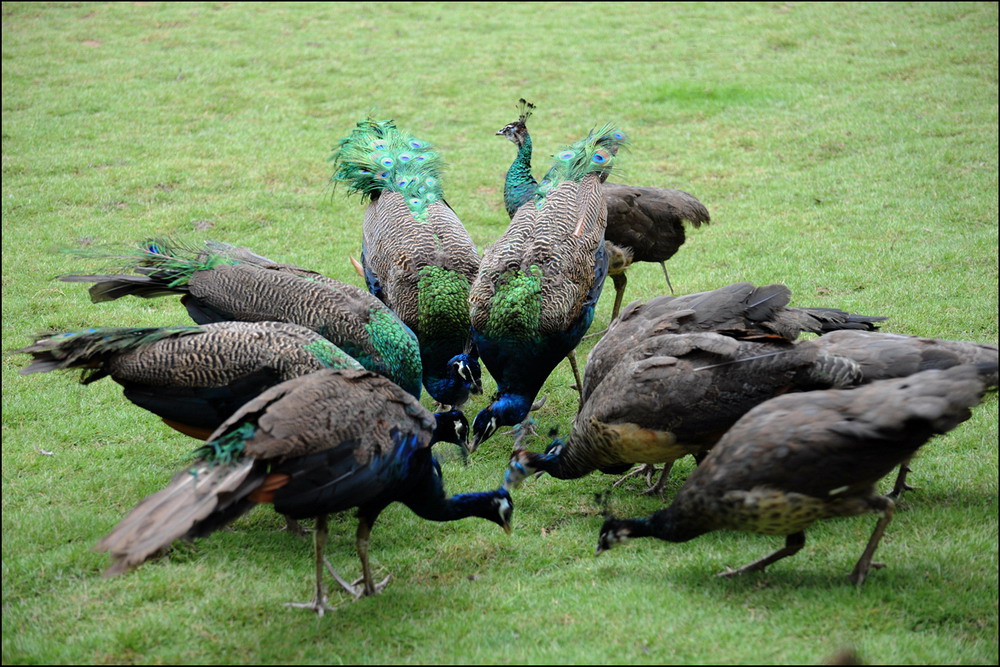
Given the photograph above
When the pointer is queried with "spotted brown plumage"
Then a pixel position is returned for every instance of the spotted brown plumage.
(192, 377)
(676, 394)
(318, 444)
(216, 287)
(800, 458)
(537, 286)
(644, 224)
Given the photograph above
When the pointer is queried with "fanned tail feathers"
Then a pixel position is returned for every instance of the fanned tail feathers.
(377, 157)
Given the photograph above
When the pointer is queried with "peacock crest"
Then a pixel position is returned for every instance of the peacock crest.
(377, 157)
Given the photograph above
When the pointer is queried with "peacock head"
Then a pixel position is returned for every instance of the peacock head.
(613, 532)
(506, 410)
(518, 130)
(503, 509)
(451, 427)
(466, 370)
(515, 132)
(519, 467)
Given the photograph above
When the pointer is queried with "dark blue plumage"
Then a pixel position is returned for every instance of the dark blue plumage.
(534, 297)
(319, 444)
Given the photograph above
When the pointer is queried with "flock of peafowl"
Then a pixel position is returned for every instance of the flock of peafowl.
(305, 390)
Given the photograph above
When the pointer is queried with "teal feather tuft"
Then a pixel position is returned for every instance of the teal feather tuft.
(171, 260)
(378, 157)
(594, 154)
(227, 448)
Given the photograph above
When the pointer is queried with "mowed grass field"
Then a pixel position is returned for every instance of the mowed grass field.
(846, 150)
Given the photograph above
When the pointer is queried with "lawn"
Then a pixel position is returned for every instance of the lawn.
(846, 150)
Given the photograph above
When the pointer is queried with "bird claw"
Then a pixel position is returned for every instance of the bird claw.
(318, 605)
(357, 588)
(644, 469)
(295, 528)
(537, 405)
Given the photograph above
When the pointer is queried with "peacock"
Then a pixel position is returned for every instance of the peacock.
(677, 394)
(218, 285)
(800, 458)
(644, 224)
(192, 377)
(534, 296)
(415, 255)
(321, 443)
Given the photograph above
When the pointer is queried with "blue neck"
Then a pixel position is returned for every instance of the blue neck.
(511, 409)
(428, 500)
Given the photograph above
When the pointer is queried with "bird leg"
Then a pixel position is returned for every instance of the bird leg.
(661, 483)
(646, 469)
(663, 265)
(318, 603)
(576, 374)
(619, 281)
(901, 485)
(361, 543)
(360, 587)
(865, 563)
(295, 528)
(793, 543)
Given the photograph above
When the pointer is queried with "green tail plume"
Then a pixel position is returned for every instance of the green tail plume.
(172, 262)
(596, 153)
(377, 157)
(81, 349)
(227, 448)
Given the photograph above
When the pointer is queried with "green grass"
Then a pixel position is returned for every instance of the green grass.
(849, 151)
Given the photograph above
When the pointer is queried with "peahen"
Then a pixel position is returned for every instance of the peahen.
(881, 356)
(800, 458)
(674, 395)
(416, 256)
(644, 224)
(321, 443)
(534, 297)
(218, 286)
(741, 309)
(192, 377)
(677, 394)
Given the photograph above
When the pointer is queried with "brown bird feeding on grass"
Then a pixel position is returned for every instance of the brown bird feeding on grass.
(653, 393)
(800, 458)
(321, 443)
